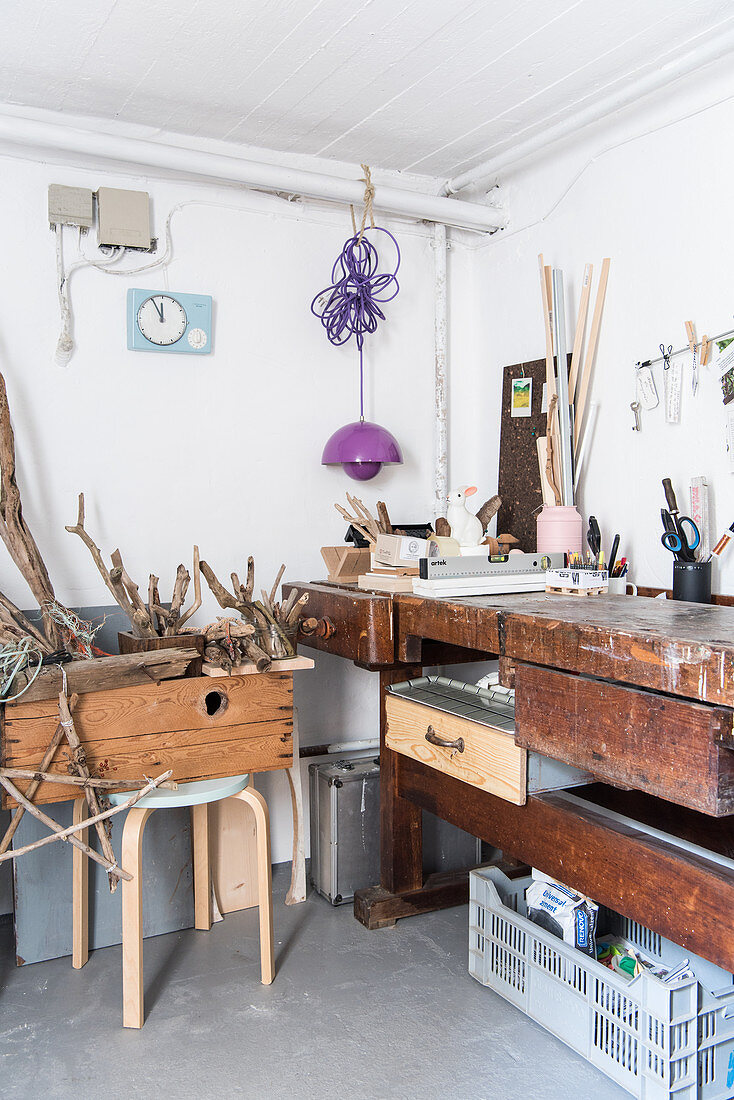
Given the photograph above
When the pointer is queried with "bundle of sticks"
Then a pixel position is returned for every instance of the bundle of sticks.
(362, 520)
(560, 451)
(151, 619)
(269, 627)
(80, 777)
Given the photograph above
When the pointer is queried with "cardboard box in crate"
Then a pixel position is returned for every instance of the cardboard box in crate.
(658, 1041)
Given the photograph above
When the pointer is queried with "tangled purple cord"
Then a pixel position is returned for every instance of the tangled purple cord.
(351, 308)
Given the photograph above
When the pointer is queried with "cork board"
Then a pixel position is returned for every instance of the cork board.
(519, 475)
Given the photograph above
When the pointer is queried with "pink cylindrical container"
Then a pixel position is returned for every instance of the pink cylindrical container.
(560, 529)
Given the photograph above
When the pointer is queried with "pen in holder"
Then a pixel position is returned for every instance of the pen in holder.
(692, 581)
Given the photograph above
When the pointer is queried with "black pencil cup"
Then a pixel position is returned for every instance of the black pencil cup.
(692, 581)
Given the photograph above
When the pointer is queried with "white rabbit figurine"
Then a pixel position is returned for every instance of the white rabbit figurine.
(466, 528)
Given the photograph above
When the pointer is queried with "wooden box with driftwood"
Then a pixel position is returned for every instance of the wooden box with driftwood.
(78, 723)
(195, 728)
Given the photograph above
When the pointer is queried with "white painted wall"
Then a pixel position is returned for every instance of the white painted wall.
(223, 450)
(660, 207)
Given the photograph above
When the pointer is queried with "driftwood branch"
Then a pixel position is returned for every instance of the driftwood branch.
(79, 781)
(57, 833)
(140, 611)
(148, 620)
(33, 786)
(275, 621)
(489, 510)
(180, 587)
(112, 577)
(224, 598)
(25, 624)
(68, 833)
(384, 518)
(154, 600)
(14, 530)
(274, 589)
(356, 523)
(79, 762)
(197, 591)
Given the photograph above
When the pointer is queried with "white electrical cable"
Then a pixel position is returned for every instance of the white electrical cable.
(65, 343)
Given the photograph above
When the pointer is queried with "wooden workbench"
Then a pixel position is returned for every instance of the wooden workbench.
(638, 691)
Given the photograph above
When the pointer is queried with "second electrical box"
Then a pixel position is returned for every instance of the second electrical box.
(124, 218)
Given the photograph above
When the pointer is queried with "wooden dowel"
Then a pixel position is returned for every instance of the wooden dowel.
(578, 340)
(585, 380)
(68, 833)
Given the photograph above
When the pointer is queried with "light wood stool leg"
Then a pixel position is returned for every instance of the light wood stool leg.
(259, 807)
(80, 892)
(202, 868)
(133, 1012)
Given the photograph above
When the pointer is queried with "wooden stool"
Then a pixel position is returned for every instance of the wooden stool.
(198, 796)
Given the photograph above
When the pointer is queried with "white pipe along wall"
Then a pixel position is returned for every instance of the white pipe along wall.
(660, 77)
(222, 450)
(15, 130)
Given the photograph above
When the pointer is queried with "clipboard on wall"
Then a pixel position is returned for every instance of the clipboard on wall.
(519, 474)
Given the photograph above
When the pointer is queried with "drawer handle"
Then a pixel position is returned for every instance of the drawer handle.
(433, 739)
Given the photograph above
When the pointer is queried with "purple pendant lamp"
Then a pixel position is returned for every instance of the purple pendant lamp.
(349, 308)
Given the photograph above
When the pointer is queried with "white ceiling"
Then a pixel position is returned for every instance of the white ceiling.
(427, 86)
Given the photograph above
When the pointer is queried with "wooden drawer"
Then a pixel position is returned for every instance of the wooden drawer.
(360, 623)
(490, 758)
(670, 747)
(202, 728)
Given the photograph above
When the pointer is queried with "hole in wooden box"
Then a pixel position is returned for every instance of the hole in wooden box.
(215, 702)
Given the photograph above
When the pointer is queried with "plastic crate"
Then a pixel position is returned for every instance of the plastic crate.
(657, 1041)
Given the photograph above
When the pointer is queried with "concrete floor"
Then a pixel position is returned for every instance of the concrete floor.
(351, 1013)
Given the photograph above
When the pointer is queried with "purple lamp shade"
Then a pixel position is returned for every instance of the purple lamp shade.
(362, 448)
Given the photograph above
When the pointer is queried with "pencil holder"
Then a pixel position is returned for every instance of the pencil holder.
(692, 581)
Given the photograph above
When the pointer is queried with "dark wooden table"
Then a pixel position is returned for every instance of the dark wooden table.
(638, 691)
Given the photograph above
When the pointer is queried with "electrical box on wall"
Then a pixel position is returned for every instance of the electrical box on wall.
(124, 218)
(70, 206)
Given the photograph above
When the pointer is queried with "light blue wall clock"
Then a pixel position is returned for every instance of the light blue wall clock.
(164, 320)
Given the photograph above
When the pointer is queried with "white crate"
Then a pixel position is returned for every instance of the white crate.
(658, 1041)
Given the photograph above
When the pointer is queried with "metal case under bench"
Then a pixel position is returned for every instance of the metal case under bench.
(345, 831)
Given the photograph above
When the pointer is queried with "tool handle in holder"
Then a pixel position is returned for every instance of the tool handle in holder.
(670, 496)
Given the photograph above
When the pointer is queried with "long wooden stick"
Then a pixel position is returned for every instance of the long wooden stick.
(56, 831)
(48, 756)
(79, 759)
(585, 380)
(550, 379)
(578, 340)
(80, 781)
(68, 833)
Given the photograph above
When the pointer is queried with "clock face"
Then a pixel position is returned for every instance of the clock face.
(162, 320)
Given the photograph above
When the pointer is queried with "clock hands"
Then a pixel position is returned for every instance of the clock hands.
(158, 309)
